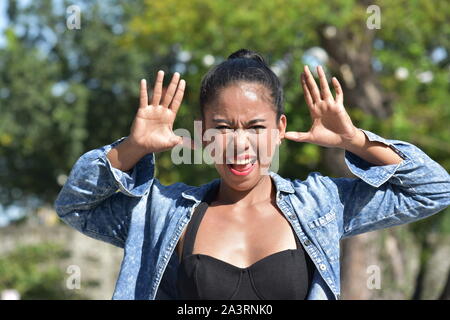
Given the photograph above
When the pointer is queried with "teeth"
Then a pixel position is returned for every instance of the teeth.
(246, 161)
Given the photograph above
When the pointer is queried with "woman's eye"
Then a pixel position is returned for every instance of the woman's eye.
(257, 129)
(223, 128)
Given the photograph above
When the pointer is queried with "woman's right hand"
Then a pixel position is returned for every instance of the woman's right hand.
(151, 130)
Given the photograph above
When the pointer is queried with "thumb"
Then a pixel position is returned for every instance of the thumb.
(298, 136)
(176, 140)
(186, 142)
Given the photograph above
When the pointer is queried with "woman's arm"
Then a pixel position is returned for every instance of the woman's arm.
(374, 152)
(97, 198)
(384, 196)
(125, 155)
(106, 183)
(396, 182)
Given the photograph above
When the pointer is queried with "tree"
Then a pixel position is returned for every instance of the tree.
(76, 90)
(63, 92)
(394, 82)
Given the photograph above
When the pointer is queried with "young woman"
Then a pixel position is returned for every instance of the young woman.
(247, 234)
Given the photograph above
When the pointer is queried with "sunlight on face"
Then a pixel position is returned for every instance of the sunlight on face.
(247, 133)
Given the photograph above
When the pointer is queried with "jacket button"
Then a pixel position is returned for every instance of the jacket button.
(322, 267)
(307, 242)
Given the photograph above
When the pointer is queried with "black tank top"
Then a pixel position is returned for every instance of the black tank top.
(284, 275)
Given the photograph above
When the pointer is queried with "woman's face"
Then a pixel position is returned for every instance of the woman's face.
(242, 122)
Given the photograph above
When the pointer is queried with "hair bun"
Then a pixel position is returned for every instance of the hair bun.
(247, 54)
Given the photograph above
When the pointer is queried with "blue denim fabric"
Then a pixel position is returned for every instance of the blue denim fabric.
(134, 211)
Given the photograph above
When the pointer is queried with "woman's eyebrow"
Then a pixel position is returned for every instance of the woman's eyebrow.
(248, 123)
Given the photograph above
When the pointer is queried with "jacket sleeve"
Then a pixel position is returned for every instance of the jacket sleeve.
(97, 198)
(389, 195)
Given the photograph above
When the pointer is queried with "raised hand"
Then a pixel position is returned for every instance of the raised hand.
(331, 124)
(152, 127)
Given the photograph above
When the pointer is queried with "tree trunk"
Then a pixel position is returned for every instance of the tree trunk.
(445, 295)
(350, 57)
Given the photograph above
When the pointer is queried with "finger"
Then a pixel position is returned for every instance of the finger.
(171, 90)
(157, 90)
(178, 96)
(338, 89)
(143, 97)
(312, 86)
(324, 88)
(306, 93)
(298, 136)
(185, 142)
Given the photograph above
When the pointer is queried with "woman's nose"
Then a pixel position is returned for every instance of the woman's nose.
(240, 141)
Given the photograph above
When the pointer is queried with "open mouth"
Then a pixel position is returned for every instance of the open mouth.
(242, 167)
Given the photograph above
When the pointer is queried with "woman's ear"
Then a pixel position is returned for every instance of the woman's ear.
(282, 123)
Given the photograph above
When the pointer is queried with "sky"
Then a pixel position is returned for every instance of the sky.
(3, 22)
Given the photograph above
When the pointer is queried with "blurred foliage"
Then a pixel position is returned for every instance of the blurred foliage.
(283, 31)
(64, 92)
(34, 272)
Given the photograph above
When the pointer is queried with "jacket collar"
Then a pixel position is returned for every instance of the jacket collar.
(198, 193)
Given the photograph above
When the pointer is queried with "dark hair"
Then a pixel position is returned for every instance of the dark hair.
(242, 65)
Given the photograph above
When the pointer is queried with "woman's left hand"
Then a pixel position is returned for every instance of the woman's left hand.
(331, 124)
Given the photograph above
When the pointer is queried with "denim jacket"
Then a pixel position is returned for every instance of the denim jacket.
(134, 211)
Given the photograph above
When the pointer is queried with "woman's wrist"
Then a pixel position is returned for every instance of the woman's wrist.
(125, 155)
(374, 152)
(356, 143)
